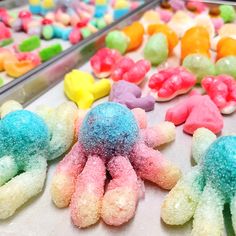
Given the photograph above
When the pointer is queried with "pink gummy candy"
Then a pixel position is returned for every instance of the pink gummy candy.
(103, 61)
(127, 69)
(222, 91)
(75, 35)
(33, 57)
(198, 5)
(5, 33)
(197, 112)
(170, 82)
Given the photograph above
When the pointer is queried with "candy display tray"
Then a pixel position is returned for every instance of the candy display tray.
(40, 217)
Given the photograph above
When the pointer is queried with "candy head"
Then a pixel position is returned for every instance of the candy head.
(109, 129)
(227, 13)
(199, 65)
(117, 40)
(219, 166)
(23, 134)
(226, 66)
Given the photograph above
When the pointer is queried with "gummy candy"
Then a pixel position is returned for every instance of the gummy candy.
(156, 49)
(196, 112)
(226, 47)
(167, 31)
(130, 95)
(81, 88)
(103, 62)
(196, 6)
(227, 12)
(226, 66)
(203, 192)
(222, 91)
(127, 69)
(50, 52)
(195, 41)
(199, 65)
(36, 138)
(171, 82)
(110, 138)
(30, 44)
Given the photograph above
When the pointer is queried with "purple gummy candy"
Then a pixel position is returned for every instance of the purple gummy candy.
(177, 4)
(129, 94)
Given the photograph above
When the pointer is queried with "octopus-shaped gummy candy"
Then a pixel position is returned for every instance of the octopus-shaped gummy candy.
(204, 191)
(110, 140)
(222, 91)
(27, 141)
(171, 82)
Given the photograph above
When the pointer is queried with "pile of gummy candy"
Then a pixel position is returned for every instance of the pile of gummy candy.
(187, 47)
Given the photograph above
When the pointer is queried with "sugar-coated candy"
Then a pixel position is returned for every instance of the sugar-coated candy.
(50, 52)
(196, 6)
(127, 69)
(227, 12)
(222, 91)
(135, 33)
(226, 66)
(37, 138)
(75, 35)
(130, 95)
(30, 44)
(203, 192)
(177, 5)
(5, 35)
(81, 88)
(171, 36)
(165, 15)
(195, 112)
(156, 49)
(199, 65)
(103, 62)
(226, 47)
(117, 40)
(151, 17)
(171, 82)
(111, 140)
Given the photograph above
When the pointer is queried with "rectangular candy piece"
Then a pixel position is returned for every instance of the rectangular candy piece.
(50, 52)
(30, 44)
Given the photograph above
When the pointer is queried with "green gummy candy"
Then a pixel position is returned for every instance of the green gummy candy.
(156, 49)
(6, 42)
(47, 32)
(30, 44)
(227, 13)
(199, 65)
(117, 40)
(50, 52)
(1, 82)
(101, 23)
(226, 66)
(85, 32)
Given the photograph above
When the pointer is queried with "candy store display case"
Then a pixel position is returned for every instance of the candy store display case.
(45, 85)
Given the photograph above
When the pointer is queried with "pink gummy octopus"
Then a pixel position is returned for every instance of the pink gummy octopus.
(112, 139)
(222, 91)
(170, 82)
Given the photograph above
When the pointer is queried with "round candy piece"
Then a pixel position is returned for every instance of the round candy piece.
(227, 12)
(226, 66)
(199, 65)
(117, 40)
(156, 49)
(108, 130)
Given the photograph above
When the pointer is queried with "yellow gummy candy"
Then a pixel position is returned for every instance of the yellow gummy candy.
(34, 2)
(48, 3)
(121, 4)
(101, 2)
(81, 88)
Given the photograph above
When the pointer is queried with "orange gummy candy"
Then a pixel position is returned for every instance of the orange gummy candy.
(135, 33)
(195, 40)
(167, 31)
(226, 47)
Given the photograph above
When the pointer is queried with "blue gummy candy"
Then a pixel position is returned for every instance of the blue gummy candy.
(23, 134)
(109, 129)
(219, 166)
(35, 9)
(120, 12)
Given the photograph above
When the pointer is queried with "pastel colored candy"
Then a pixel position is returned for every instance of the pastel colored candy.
(103, 62)
(117, 40)
(226, 47)
(222, 91)
(227, 13)
(196, 112)
(130, 95)
(199, 65)
(127, 69)
(171, 82)
(81, 88)
(30, 44)
(156, 49)
(226, 66)
(50, 52)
